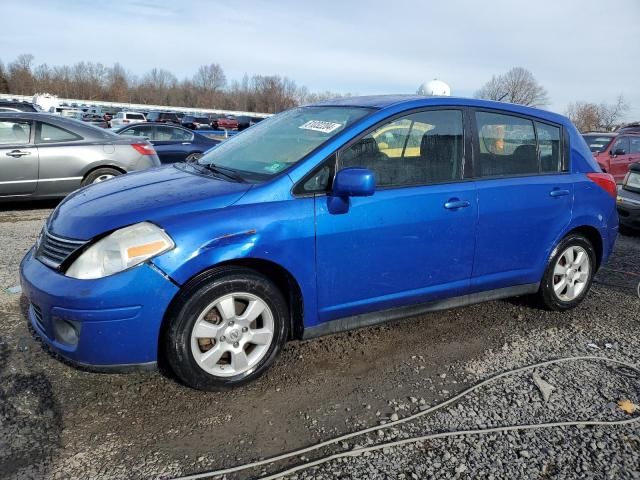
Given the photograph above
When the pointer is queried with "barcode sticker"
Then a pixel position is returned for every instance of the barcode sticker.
(320, 126)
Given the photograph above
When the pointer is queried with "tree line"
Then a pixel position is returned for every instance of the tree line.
(210, 88)
(207, 88)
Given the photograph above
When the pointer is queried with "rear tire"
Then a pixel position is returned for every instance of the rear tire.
(225, 329)
(100, 175)
(569, 274)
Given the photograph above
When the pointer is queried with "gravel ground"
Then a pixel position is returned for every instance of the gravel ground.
(58, 422)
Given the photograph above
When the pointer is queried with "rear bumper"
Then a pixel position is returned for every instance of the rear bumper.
(108, 323)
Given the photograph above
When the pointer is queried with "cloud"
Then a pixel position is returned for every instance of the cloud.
(579, 50)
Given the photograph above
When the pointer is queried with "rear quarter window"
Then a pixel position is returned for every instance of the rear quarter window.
(48, 133)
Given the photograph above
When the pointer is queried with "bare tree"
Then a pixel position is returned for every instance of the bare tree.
(117, 84)
(518, 85)
(4, 80)
(20, 75)
(588, 117)
(210, 78)
(611, 115)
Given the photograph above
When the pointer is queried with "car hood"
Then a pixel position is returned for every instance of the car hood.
(150, 195)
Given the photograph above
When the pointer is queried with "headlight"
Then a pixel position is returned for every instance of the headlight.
(123, 249)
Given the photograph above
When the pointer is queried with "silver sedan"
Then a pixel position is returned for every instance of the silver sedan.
(49, 156)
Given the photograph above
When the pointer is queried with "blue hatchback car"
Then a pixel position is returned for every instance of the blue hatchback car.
(320, 219)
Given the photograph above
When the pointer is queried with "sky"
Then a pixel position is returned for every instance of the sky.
(579, 50)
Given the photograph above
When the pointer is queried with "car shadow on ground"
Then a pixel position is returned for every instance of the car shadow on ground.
(28, 407)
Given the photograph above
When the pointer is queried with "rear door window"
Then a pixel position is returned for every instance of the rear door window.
(135, 116)
(507, 145)
(141, 131)
(15, 132)
(170, 134)
(634, 145)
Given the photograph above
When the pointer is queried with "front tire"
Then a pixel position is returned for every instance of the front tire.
(569, 274)
(225, 329)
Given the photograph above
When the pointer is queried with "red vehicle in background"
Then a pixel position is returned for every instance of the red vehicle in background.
(614, 152)
(227, 123)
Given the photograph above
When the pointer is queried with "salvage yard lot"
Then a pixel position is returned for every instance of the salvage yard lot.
(59, 422)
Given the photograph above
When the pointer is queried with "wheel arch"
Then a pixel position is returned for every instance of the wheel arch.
(593, 235)
(280, 276)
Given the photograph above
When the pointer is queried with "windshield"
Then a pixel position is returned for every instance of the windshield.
(282, 140)
(632, 181)
(597, 143)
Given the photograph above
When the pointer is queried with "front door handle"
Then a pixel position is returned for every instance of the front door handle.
(455, 203)
(17, 153)
(186, 143)
(558, 193)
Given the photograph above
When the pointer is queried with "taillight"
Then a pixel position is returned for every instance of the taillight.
(144, 148)
(605, 181)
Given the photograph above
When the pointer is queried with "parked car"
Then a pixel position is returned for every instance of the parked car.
(629, 200)
(194, 122)
(95, 120)
(630, 128)
(19, 106)
(245, 122)
(303, 226)
(226, 123)
(614, 152)
(49, 156)
(127, 118)
(163, 117)
(172, 143)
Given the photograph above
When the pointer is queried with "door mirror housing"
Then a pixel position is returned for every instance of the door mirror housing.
(619, 151)
(354, 182)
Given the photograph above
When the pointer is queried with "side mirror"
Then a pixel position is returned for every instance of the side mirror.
(619, 151)
(354, 182)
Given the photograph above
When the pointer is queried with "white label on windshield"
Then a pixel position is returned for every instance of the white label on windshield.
(320, 126)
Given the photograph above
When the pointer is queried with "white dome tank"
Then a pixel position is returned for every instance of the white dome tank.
(435, 88)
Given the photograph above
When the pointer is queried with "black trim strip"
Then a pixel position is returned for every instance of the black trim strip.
(374, 318)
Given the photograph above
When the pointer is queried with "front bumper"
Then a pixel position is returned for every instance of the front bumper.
(111, 322)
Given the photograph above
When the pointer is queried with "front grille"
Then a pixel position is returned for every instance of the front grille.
(53, 250)
(37, 315)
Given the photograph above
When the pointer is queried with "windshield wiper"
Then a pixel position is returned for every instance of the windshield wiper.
(227, 172)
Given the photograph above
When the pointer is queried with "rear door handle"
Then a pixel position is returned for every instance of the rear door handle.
(186, 143)
(17, 153)
(558, 193)
(454, 204)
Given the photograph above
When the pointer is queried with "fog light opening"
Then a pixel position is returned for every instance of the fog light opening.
(66, 331)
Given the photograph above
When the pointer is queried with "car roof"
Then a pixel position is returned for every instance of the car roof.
(417, 101)
(65, 122)
(160, 124)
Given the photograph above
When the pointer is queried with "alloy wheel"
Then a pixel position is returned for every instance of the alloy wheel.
(571, 273)
(232, 334)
